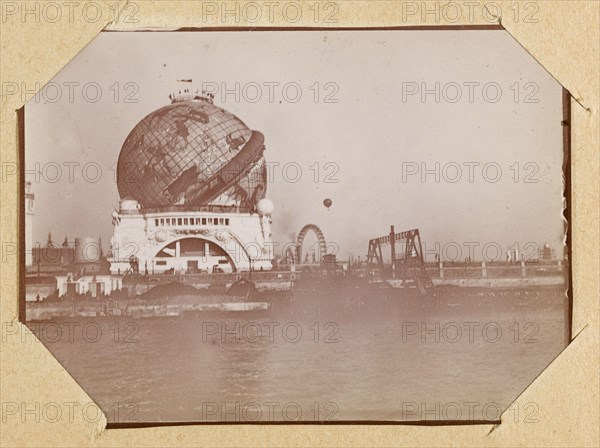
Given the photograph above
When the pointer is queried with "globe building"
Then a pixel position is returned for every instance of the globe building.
(192, 180)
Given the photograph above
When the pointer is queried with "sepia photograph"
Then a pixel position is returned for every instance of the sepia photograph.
(299, 226)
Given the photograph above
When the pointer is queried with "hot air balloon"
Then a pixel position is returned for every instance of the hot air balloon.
(327, 203)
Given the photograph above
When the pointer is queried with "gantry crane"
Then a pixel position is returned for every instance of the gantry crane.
(409, 266)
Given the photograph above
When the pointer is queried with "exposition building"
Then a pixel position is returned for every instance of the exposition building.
(192, 180)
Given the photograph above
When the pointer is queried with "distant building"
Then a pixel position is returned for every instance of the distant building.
(329, 261)
(29, 197)
(84, 256)
(70, 285)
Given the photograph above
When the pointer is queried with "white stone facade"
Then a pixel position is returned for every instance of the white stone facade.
(228, 240)
(89, 284)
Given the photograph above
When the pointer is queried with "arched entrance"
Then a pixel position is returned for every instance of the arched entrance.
(193, 256)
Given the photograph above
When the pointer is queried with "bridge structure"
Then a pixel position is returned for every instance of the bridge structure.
(406, 255)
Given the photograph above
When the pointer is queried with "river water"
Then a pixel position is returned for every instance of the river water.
(326, 355)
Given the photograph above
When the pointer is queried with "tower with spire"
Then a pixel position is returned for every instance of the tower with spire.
(29, 197)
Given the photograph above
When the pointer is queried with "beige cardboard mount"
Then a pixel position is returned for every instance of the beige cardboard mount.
(38, 38)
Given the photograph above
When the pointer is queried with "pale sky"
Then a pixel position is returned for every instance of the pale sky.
(369, 136)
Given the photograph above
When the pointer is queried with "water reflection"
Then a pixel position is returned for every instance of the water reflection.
(353, 355)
